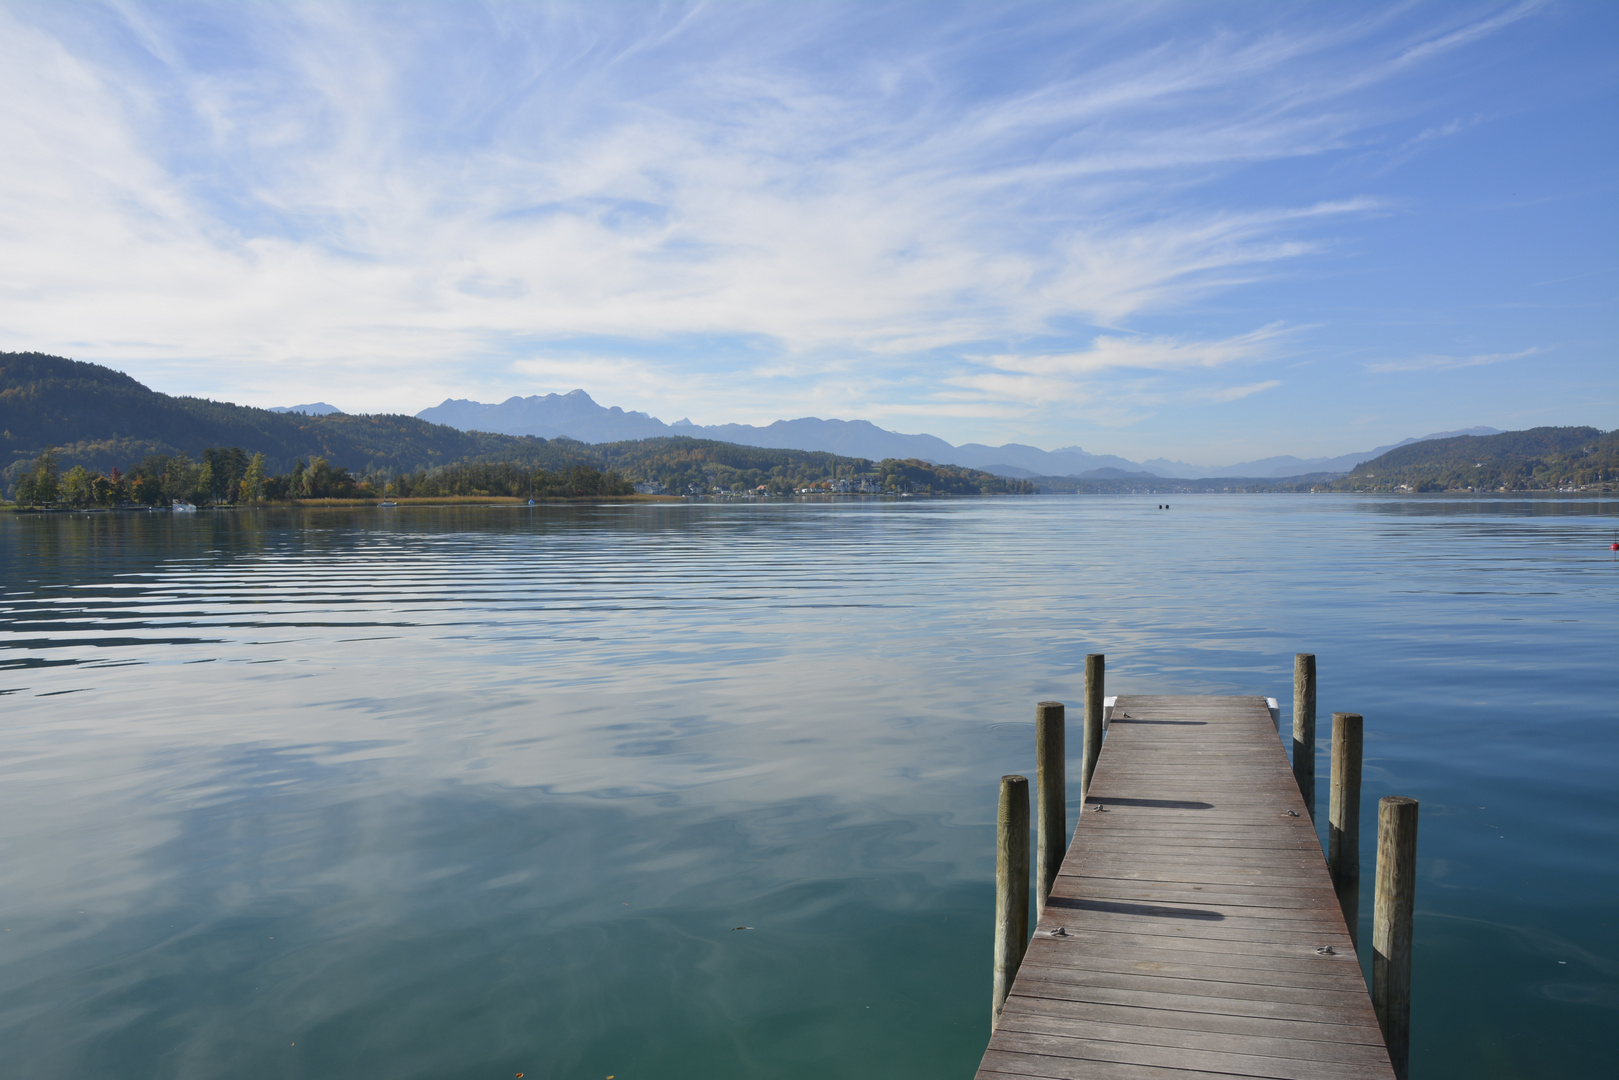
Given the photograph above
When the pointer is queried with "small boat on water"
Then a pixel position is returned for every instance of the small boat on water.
(389, 502)
(184, 507)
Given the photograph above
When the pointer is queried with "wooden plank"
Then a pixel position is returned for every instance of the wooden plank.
(1282, 900)
(1251, 932)
(1086, 1051)
(1168, 996)
(1218, 939)
(1237, 867)
(1230, 954)
(1183, 1020)
(1186, 981)
(1128, 840)
(1193, 906)
(1130, 1030)
(1266, 983)
(1001, 1064)
(1118, 859)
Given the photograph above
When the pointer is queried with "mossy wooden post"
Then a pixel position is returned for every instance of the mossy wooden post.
(1304, 727)
(1095, 671)
(1011, 885)
(1343, 817)
(1051, 763)
(1391, 926)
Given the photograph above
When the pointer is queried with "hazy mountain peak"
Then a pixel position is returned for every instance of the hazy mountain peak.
(314, 408)
(576, 415)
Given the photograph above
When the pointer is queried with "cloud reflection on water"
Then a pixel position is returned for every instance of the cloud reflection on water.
(500, 782)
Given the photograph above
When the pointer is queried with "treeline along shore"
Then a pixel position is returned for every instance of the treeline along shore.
(1570, 459)
(74, 434)
(228, 477)
(80, 435)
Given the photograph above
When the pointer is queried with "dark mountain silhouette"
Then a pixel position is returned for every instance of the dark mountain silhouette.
(101, 418)
(1536, 458)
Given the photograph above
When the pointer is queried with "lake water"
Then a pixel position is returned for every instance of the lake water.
(480, 792)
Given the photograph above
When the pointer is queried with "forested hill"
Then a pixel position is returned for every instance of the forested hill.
(1538, 458)
(101, 419)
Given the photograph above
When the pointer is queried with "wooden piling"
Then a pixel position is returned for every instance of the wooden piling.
(1304, 727)
(1095, 672)
(1343, 817)
(1391, 926)
(1051, 798)
(1011, 885)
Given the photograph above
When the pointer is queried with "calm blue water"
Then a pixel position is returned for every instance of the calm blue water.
(475, 792)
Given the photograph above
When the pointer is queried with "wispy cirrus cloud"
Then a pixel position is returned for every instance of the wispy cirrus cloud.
(1449, 363)
(749, 206)
(1109, 352)
(1470, 31)
(1144, 371)
(1237, 393)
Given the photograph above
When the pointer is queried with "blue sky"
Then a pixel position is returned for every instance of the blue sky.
(1207, 231)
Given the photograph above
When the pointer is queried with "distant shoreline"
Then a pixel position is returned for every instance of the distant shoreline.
(497, 500)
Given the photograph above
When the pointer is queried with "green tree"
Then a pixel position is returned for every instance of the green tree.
(147, 488)
(180, 480)
(225, 469)
(318, 479)
(42, 484)
(76, 490)
(106, 490)
(252, 483)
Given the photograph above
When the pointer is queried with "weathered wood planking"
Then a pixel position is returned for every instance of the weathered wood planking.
(1193, 908)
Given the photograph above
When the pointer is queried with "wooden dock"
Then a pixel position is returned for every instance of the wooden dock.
(1193, 931)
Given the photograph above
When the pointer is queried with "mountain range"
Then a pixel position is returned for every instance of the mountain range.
(576, 415)
(89, 416)
(314, 408)
(102, 419)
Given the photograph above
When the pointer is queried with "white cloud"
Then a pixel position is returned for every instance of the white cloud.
(1448, 363)
(1145, 353)
(359, 205)
(1235, 393)
(1471, 32)
(1142, 371)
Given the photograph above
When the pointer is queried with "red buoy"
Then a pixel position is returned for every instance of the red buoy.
(1613, 547)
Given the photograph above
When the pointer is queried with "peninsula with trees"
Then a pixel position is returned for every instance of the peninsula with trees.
(79, 434)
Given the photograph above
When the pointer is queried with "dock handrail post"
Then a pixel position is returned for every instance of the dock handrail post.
(1304, 727)
(1051, 764)
(1343, 818)
(1392, 926)
(1095, 673)
(1011, 885)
